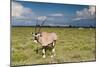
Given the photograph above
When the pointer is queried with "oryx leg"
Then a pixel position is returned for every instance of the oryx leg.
(53, 50)
(44, 51)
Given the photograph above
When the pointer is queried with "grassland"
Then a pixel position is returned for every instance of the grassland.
(73, 45)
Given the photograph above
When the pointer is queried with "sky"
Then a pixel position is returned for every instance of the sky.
(25, 13)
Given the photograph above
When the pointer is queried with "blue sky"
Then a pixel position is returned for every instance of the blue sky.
(26, 14)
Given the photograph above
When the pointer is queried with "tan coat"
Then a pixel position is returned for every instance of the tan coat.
(47, 38)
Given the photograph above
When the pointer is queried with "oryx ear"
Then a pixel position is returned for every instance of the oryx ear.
(39, 35)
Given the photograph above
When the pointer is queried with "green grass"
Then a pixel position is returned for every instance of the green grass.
(73, 45)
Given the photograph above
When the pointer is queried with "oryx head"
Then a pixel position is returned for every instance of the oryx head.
(37, 32)
(36, 36)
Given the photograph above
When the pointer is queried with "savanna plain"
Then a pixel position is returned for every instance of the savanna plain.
(73, 45)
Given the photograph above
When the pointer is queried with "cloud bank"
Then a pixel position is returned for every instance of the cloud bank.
(19, 11)
(86, 13)
(57, 14)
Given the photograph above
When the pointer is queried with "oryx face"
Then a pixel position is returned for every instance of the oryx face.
(36, 37)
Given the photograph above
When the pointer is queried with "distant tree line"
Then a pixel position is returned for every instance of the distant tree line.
(70, 26)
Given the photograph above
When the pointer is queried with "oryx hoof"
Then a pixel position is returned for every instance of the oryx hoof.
(52, 56)
(44, 56)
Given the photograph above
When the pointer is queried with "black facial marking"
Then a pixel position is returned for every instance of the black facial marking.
(36, 33)
(35, 38)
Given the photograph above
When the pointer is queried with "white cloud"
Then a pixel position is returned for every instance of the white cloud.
(41, 18)
(92, 10)
(56, 14)
(86, 13)
(77, 18)
(18, 10)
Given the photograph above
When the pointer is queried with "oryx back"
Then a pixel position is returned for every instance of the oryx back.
(47, 38)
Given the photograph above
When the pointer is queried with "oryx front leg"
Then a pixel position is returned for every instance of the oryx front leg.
(53, 51)
(43, 51)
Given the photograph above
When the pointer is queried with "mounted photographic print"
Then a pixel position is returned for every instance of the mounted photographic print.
(52, 33)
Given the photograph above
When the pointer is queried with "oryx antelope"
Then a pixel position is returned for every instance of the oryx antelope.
(45, 39)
